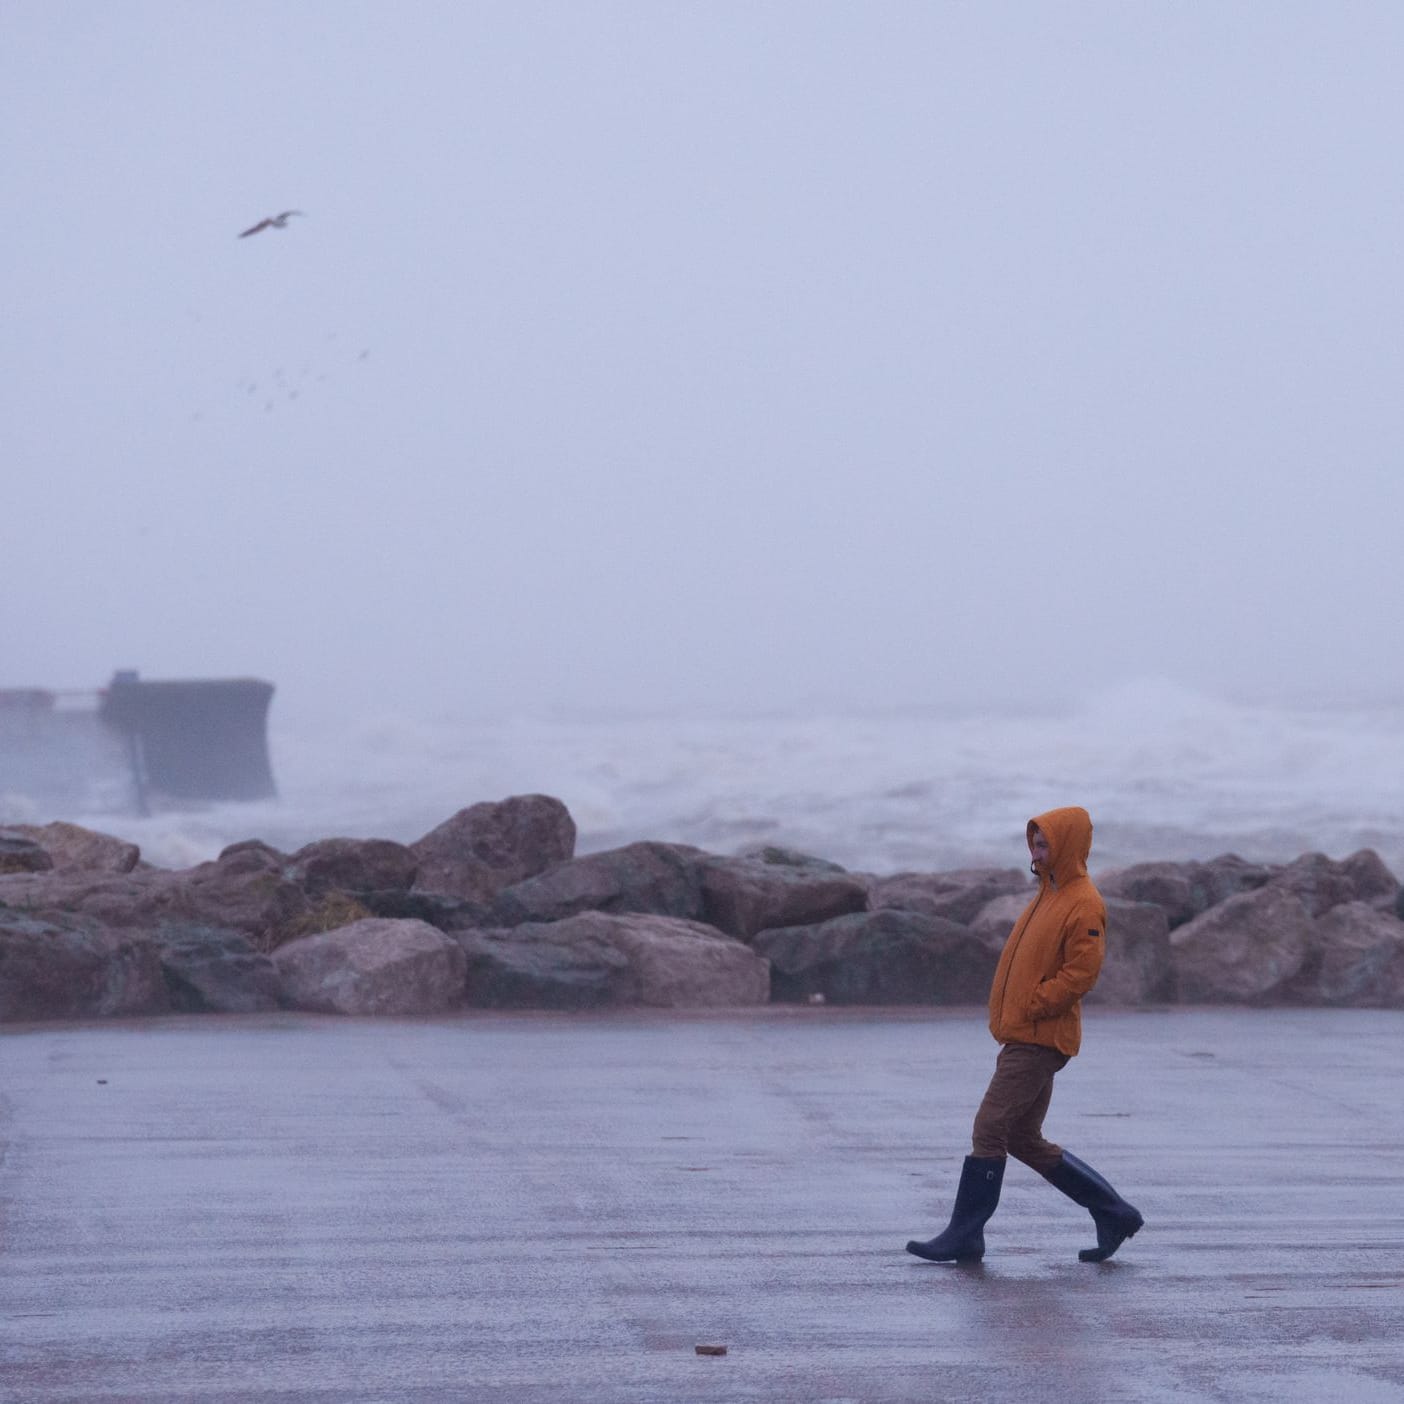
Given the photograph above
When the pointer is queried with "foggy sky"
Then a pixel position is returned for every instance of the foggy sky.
(704, 354)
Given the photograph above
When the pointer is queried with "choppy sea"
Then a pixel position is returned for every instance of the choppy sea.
(1165, 772)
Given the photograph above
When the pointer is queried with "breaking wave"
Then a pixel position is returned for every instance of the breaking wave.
(1166, 773)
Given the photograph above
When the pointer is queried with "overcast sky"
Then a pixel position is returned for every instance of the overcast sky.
(716, 354)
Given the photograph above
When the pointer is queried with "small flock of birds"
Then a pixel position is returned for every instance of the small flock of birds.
(282, 386)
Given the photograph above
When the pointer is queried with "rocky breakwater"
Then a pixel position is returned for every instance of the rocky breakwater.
(492, 909)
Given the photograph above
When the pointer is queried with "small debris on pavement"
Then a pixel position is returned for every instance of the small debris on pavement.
(710, 1350)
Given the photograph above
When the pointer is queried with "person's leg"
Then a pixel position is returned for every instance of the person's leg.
(1010, 1119)
(1025, 1129)
(1022, 1082)
(977, 1195)
(1116, 1220)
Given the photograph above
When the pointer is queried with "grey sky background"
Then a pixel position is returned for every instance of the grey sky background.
(735, 355)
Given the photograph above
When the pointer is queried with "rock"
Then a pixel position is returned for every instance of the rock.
(489, 846)
(743, 896)
(329, 913)
(74, 848)
(995, 920)
(1322, 883)
(1184, 890)
(569, 964)
(789, 858)
(69, 967)
(1136, 968)
(1245, 950)
(352, 865)
(246, 889)
(258, 900)
(599, 958)
(1357, 959)
(244, 892)
(658, 878)
(1228, 875)
(1169, 886)
(884, 957)
(439, 910)
(21, 854)
(214, 968)
(957, 896)
(138, 900)
(376, 966)
(251, 856)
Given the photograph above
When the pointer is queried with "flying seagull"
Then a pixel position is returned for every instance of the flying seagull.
(277, 221)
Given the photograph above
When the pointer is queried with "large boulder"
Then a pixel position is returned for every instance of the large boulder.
(883, 957)
(352, 865)
(598, 958)
(1228, 875)
(658, 878)
(216, 969)
(376, 966)
(995, 920)
(67, 966)
(1169, 886)
(246, 891)
(74, 848)
(19, 853)
(1184, 890)
(138, 900)
(743, 896)
(1245, 950)
(1323, 883)
(1136, 965)
(437, 908)
(489, 846)
(957, 896)
(251, 856)
(1357, 958)
(789, 858)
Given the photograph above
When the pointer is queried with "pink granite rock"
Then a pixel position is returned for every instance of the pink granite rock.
(352, 865)
(743, 896)
(375, 966)
(74, 848)
(1246, 950)
(1357, 959)
(602, 958)
(69, 967)
(957, 896)
(489, 846)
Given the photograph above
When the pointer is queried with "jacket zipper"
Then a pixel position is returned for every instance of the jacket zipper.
(1014, 950)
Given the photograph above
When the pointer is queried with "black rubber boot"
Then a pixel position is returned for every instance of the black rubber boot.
(963, 1239)
(1116, 1220)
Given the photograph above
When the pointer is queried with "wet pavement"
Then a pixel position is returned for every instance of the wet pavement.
(531, 1207)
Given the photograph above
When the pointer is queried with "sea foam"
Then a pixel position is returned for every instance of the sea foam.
(1165, 772)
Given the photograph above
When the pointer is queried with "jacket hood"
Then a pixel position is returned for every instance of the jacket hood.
(1069, 835)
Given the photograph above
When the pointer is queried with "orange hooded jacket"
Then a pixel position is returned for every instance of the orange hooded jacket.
(1053, 955)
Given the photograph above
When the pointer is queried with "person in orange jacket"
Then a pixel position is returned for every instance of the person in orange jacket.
(1050, 960)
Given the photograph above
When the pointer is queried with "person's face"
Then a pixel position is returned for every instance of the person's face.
(1039, 853)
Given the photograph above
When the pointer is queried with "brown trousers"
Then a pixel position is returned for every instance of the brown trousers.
(1010, 1119)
